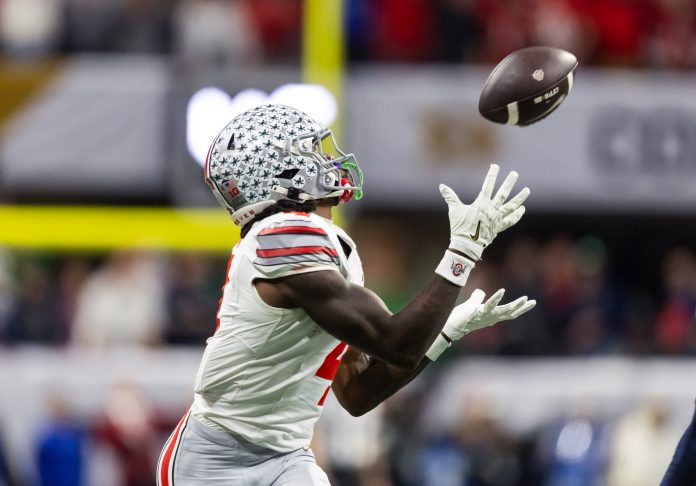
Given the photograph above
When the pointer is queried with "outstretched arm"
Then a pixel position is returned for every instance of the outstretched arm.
(359, 318)
(363, 382)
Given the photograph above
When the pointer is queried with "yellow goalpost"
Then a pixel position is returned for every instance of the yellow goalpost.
(105, 228)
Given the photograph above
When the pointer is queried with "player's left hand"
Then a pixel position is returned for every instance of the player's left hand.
(474, 226)
(475, 314)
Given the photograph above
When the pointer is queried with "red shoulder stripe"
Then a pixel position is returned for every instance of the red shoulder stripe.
(284, 230)
(300, 250)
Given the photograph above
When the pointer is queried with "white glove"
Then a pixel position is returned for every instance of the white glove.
(474, 314)
(474, 226)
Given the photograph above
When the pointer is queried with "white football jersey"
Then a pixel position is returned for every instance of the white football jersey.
(266, 371)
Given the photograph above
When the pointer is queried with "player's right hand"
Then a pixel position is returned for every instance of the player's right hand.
(474, 226)
(475, 314)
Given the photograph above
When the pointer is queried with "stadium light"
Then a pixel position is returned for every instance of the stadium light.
(209, 109)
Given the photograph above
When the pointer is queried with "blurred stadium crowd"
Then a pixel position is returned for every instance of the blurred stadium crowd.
(158, 300)
(119, 444)
(632, 33)
(150, 299)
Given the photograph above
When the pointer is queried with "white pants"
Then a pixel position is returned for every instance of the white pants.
(196, 455)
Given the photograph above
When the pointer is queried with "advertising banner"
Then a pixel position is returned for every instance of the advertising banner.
(621, 140)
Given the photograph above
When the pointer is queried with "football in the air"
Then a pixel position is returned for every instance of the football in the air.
(528, 85)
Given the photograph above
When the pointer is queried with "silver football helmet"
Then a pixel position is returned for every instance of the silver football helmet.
(275, 152)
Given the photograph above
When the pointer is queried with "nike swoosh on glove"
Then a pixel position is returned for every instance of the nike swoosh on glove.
(474, 226)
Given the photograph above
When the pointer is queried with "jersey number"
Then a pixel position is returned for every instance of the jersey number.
(329, 367)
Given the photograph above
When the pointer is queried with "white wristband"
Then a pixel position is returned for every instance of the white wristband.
(455, 268)
(438, 347)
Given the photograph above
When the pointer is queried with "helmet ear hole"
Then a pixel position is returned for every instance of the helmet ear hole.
(330, 179)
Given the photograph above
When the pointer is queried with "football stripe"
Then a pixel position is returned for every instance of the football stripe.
(513, 113)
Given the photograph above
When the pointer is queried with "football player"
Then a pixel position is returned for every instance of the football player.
(294, 317)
